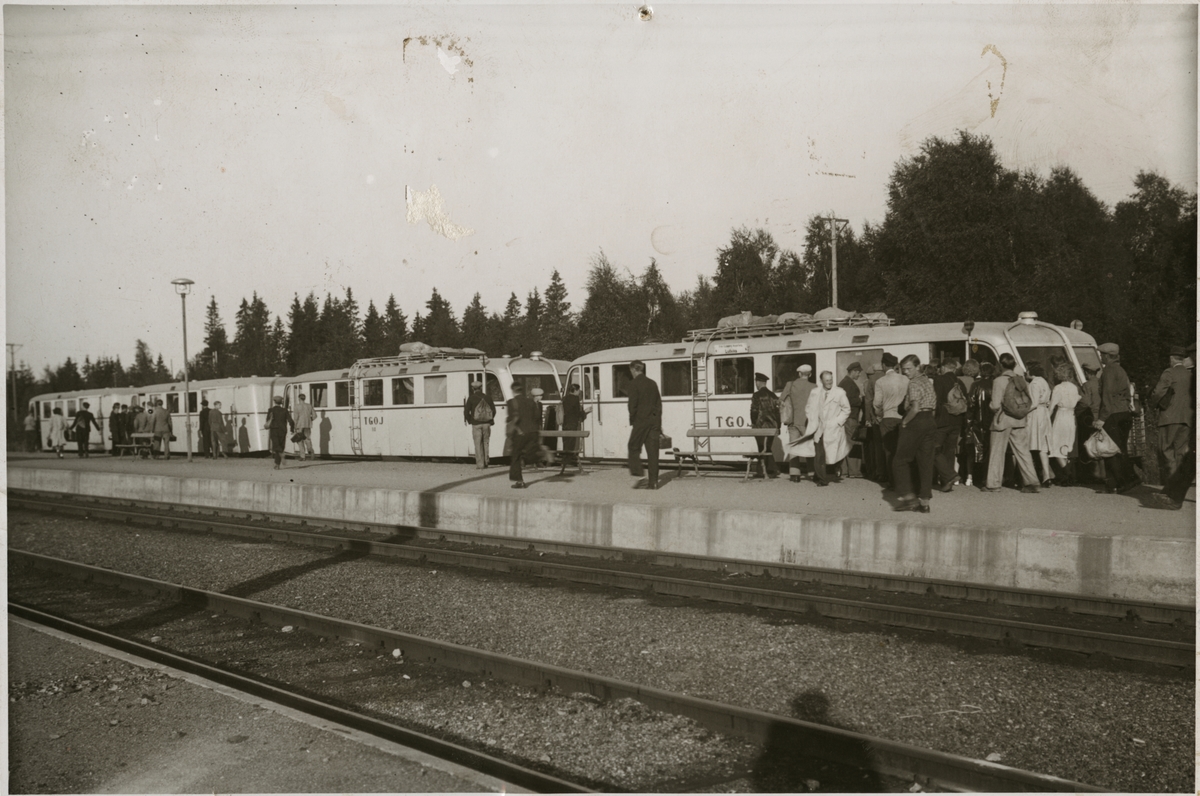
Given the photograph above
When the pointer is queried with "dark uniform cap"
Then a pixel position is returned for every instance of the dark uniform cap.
(1178, 351)
(760, 377)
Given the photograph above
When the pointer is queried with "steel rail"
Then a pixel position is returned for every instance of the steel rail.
(536, 781)
(932, 769)
(1159, 613)
(1086, 642)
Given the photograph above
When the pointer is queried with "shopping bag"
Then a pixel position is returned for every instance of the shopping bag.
(1101, 446)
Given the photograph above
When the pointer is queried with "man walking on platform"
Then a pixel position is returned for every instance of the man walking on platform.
(303, 416)
(573, 415)
(764, 413)
(278, 422)
(522, 427)
(915, 440)
(205, 430)
(645, 418)
(216, 425)
(84, 420)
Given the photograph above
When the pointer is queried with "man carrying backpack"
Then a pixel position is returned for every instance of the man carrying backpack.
(1010, 403)
(950, 413)
(479, 412)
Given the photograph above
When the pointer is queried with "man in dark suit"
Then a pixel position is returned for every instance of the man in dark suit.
(205, 430)
(645, 417)
(524, 420)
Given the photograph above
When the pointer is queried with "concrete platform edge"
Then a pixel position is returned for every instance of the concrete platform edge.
(1135, 568)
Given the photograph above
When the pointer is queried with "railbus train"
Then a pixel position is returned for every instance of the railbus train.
(409, 405)
(707, 379)
(244, 402)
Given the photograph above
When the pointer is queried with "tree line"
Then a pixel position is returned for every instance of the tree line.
(963, 237)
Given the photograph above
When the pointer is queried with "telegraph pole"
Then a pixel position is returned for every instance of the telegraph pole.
(12, 375)
(836, 225)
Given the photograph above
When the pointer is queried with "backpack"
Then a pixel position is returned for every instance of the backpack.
(482, 412)
(1016, 401)
(956, 401)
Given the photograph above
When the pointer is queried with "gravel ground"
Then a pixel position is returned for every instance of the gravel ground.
(1124, 731)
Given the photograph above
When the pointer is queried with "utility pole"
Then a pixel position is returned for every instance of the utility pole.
(12, 375)
(836, 225)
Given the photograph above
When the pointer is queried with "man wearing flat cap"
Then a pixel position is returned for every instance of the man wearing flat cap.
(1116, 418)
(764, 413)
(794, 403)
(1172, 398)
(854, 384)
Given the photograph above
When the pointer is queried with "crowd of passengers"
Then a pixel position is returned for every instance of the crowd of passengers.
(913, 427)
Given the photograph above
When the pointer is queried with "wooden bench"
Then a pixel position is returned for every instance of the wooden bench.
(698, 434)
(142, 445)
(562, 455)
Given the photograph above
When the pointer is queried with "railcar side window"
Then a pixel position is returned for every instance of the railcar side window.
(622, 375)
(678, 378)
(402, 392)
(943, 350)
(733, 376)
(493, 388)
(70, 407)
(863, 356)
(193, 406)
(173, 402)
(342, 395)
(981, 352)
(783, 369)
(372, 392)
(46, 411)
(319, 393)
(435, 389)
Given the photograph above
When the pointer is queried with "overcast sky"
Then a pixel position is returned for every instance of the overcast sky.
(394, 149)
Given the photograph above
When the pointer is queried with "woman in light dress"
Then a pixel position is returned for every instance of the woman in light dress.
(58, 432)
(1062, 431)
(1038, 419)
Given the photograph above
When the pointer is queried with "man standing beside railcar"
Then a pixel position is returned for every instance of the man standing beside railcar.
(1116, 418)
(573, 415)
(645, 417)
(794, 403)
(1173, 399)
(853, 384)
(949, 415)
(522, 427)
(479, 412)
(304, 416)
(84, 420)
(161, 426)
(1009, 430)
(205, 430)
(890, 392)
(278, 422)
(764, 413)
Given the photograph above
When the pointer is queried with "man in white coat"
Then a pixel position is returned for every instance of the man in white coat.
(824, 437)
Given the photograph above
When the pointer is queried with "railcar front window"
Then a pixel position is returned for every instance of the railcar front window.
(402, 392)
(678, 378)
(493, 388)
(373, 392)
(319, 393)
(981, 352)
(1049, 357)
(734, 376)
(1087, 356)
(435, 389)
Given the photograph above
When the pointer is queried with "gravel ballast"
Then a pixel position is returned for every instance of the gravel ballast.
(1122, 730)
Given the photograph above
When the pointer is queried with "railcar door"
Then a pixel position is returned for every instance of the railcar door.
(596, 444)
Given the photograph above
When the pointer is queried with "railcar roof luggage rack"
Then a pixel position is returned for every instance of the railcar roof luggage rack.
(773, 329)
(417, 356)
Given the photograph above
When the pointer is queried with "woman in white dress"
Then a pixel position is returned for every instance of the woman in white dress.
(1038, 419)
(57, 432)
(1062, 430)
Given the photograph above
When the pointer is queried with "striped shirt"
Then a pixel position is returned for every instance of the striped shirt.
(921, 394)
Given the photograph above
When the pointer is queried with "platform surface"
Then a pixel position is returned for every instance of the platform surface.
(1078, 509)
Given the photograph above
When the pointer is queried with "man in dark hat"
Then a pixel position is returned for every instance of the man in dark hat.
(1116, 418)
(764, 413)
(522, 426)
(205, 430)
(854, 384)
(1172, 398)
(278, 423)
(645, 420)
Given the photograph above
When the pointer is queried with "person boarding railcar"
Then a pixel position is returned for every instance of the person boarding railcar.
(1116, 418)
(161, 426)
(84, 420)
(573, 414)
(794, 408)
(1010, 404)
(854, 385)
(219, 432)
(303, 416)
(645, 419)
(278, 423)
(890, 391)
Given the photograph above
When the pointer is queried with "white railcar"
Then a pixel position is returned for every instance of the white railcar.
(411, 405)
(707, 380)
(244, 402)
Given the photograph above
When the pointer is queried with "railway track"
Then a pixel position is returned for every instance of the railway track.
(899, 763)
(1129, 630)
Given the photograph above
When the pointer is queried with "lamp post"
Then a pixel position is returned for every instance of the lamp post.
(183, 287)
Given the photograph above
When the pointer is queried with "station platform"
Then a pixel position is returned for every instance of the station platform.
(1071, 540)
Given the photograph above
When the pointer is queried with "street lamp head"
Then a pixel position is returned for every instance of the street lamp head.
(182, 286)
